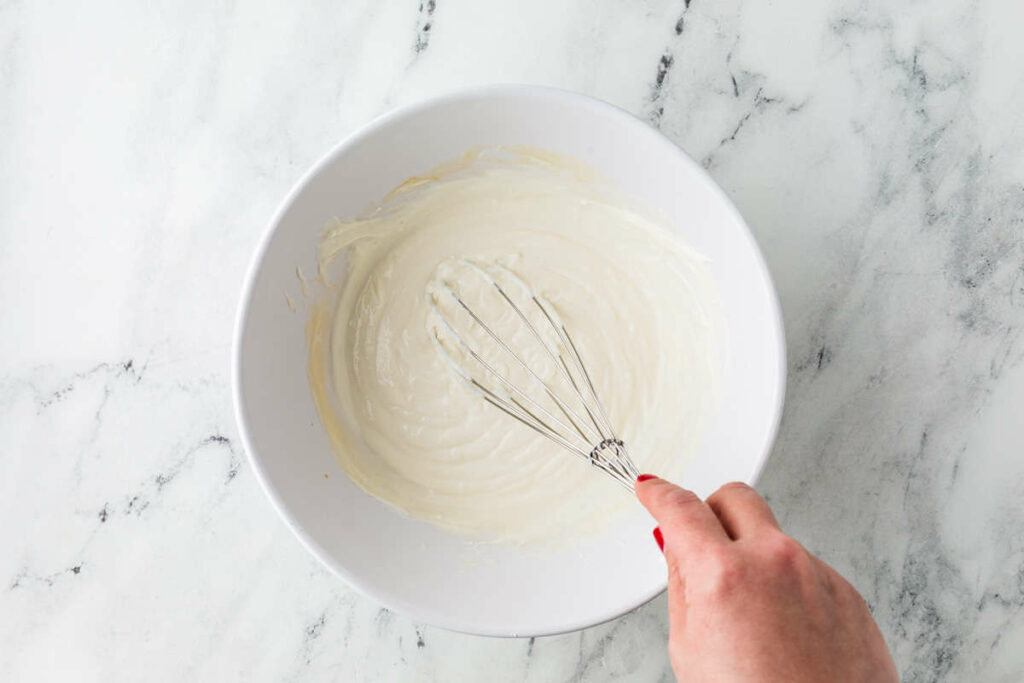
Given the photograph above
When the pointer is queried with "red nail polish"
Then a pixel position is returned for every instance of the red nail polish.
(645, 477)
(659, 538)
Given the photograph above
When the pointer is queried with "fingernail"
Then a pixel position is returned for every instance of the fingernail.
(659, 538)
(645, 477)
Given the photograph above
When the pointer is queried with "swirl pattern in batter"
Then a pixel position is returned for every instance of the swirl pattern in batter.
(640, 304)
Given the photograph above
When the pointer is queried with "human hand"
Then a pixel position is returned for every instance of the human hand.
(747, 603)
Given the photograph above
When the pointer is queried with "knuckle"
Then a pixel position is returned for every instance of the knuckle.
(738, 486)
(782, 552)
(726, 490)
(723, 573)
(677, 497)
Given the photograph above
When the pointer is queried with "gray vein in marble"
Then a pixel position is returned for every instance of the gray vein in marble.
(759, 105)
(922, 595)
(424, 25)
(313, 631)
(656, 106)
(111, 370)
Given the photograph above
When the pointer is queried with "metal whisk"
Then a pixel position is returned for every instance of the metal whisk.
(565, 409)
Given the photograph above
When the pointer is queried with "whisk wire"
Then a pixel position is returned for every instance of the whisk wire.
(570, 414)
(569, 344)
(601, 446)
(558, 360)
(490, 395)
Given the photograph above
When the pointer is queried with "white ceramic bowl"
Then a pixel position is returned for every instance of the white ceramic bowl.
(413, 567)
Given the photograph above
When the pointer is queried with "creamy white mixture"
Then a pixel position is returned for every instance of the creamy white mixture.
(638, 302)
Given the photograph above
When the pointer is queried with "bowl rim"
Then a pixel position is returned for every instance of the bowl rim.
(627, 120)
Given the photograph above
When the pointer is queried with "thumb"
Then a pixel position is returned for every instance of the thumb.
(687, 523)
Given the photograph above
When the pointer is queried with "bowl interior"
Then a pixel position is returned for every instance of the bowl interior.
(410, 566)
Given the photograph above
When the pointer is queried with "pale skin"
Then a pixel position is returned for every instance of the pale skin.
(747, 603)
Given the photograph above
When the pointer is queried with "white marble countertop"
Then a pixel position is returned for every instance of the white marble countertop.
(875, 148)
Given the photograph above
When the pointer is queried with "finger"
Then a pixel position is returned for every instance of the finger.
(688, 525)
(676, 597)
(741, 510)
